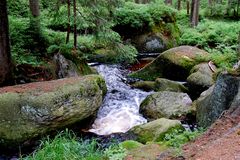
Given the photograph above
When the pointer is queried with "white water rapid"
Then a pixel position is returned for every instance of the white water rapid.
(120, 109)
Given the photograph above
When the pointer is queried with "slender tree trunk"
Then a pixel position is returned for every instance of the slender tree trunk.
(194, 13)
(238, 7)
(209, 3)
(168, 2)
(238, 48)
(188, 7)
(35, 11)
(5, 56)
(179, 5)
(69, 27)
(75, 23)
(34, 8)
(229, 7)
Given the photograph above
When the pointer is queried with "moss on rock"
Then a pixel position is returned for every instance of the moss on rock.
(30, 110)
(166, 104)
(175, 64)
(155, 130)
(130, 144)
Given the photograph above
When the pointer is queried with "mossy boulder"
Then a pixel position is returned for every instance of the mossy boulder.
(212, 104)
(166, 104)
(146, 152)
(202, 75)
(130, 144)
(174, 64)
(144, 85)
(155, 131)
(162, 84)
(34, 109)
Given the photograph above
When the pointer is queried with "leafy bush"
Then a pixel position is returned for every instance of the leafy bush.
(217, 10)
(193, 38)
(67, 146)
(18, 8)
(141, 15)
(179, 137)
(115, 152)
(222, 56)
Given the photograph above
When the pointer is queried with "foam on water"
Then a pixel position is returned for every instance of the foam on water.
(120, 109)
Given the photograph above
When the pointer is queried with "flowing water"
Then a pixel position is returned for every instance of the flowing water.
(120, 109)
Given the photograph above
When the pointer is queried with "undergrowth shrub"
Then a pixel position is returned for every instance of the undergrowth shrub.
(18, 8)
(140, 15)
(179, 137)
(67, 146)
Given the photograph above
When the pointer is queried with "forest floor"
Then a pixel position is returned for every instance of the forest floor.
(220, 142)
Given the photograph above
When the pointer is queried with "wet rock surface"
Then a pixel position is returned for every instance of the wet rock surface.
(166, 104)
(174, 64)
(31, 110)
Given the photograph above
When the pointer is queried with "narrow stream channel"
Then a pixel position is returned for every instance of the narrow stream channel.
(120, 109)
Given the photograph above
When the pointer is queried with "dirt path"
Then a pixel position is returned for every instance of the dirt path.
(220, 142)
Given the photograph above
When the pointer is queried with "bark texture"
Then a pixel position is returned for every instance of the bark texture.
(5, 57)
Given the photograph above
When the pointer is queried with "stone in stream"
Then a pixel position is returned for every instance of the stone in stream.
(34, 109)
(155, 131)
(166, 104)
(160, 84)
(201, 78)
(175, 64)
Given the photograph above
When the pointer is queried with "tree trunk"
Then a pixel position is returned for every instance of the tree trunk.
(179, 5)
(69, 28)
(194, 13)
(209, 3)
(238, 48)
(168, 2)
(5, 56)
(35, 11)
(75, 23)
(34, 8)
(188, 7)
(229, 7)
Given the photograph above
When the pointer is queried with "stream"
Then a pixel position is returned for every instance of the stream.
(120, 109)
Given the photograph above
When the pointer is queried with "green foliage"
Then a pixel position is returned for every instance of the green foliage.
(21, 42)
(115, 152)
(179, 137)
(217, 10)
(143, 15)
(222, 56)
(18, 8)
(67, 146)
(193, 38)
(130, 144)
(219, 38)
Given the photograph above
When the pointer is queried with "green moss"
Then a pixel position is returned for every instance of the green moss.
(144, 85)
(155, 130)
(130, 144)
(32, 113)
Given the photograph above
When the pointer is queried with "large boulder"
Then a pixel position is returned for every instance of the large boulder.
(31, 110)
(151, 42)
(201, 78)
(147, 152)
(160, 84)
(224, 95)
(202, 75)
(175, 64)
(156, 130)
(144, 85)
(166, 104)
